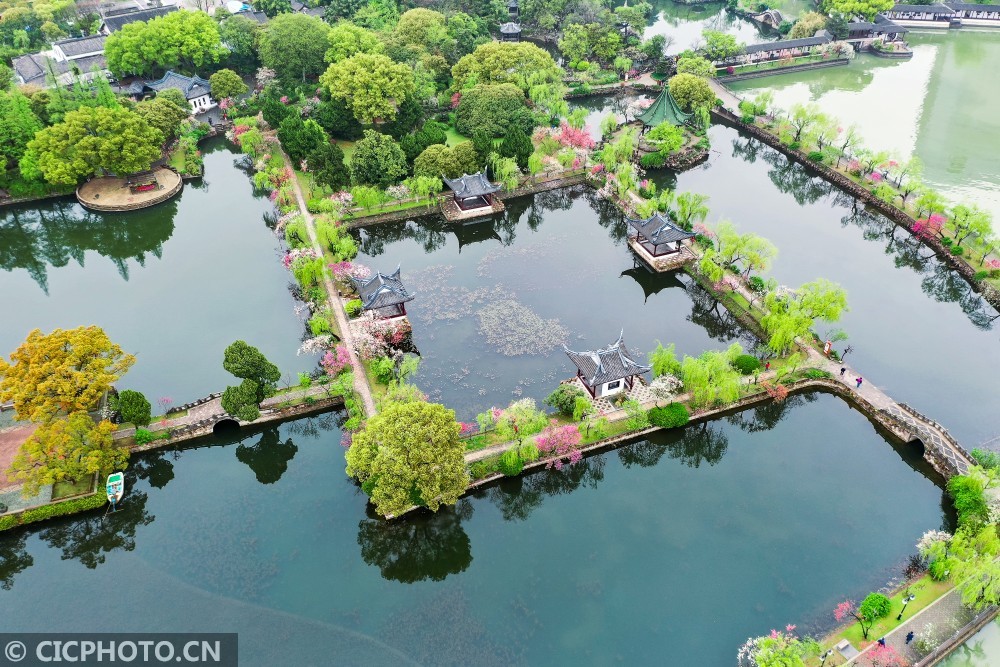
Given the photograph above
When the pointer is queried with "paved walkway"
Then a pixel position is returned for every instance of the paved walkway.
(729, 100)
(360, 380)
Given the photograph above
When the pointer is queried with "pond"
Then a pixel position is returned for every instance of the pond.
(682, 25)
(980, 650)
(934, 106)
(671, 551)
(917, 329)
(173, 284)
(496, 300)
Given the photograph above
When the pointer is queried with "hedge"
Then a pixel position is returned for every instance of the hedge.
(674, 415)
(51, 510)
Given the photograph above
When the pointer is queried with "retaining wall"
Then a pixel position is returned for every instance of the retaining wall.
(821, 64)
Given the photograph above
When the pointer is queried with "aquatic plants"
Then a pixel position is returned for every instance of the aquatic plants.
(514, 329)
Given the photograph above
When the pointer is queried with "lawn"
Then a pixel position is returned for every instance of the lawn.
(348, 148)
(68, 489)
(454, 137)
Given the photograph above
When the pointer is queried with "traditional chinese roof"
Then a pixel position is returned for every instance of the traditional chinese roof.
(512, 3)
(81, 46)
(925, 9)
(970, 7)
(380, 290)
(880, 25)
(32, 68)
(191, 86)
(115, 22)
(612, 363)
(659, 229)
(510, 29)
(652, 282)
(471, 185)
(822, 38)
(664, 108)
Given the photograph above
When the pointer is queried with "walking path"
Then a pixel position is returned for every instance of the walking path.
(360, 381)
(729, 100)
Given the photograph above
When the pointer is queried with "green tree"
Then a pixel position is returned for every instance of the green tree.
(176, 98)
(491, 110)
(696, 65)
(227, 84)
(300, 137)
(520, 63)
(338, 120)
(239, 34)
(326, 163)
(719, 46)
(133, 407)
(67, 370)
(163, 115)
(516, 144)
(691, 92)
(564, 399)
(690, 208)
(294, 46)
(466, 34)
(66, 449)
(372, 85)
(972, 560)
(808, 25)
(666, 136)
(179, 40)
(259, 377)
(664, 360)
(272, 7)
(746, 251)
(377, 15)
(409, 454)
(347, 39)
(968, 220)
(18, 127)
(591, 40)
(438, 160)
(864, 8)
(791, 315)
(377, 160)
(91, 140)
(711, 377)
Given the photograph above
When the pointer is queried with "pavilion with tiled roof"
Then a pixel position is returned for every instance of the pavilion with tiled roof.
(607, 371)
(472, 191)
(383, 295)
(658, 235)
(664, 108)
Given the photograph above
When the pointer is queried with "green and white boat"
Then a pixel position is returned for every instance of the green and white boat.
(115, 487)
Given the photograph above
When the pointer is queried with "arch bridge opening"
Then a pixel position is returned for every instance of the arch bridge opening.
(226, 426)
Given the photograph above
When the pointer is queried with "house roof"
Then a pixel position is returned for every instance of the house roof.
(926, 9)
(81, 46)
(880, 25)
(512, 3)
(471, 185)
(612, 363)
(259, 17)
(117, 21)
(381, 291)
(664, 108)
(31, 68)
(659, 229)
(972, 7)
(191, 86)
(781, 45)
(510, 28)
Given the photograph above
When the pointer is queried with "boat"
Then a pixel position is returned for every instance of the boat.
(115, 487)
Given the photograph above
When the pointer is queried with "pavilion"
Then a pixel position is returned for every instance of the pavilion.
(510, 32)
(382, 295)
(472, 196)
(664, 108)
(657, 235)
(608, 371)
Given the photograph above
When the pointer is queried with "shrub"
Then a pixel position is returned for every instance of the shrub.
(957, 250)
(946, 242)
(981, 275)
(563, 399)
(987, 459)
(674, 415)
(353, 307)
(746, 364)
(795, 145)
(384, 369)
(143, 437)
(637, 417)
(319, 325)
(938, 570)
(970, 503)
(748, 118)
(511, 463)
(757, 284)
(529, 452)
(816, 374)
(816, 156)
(485, 467)
(875, 606)
(133, 407)
(654, 160)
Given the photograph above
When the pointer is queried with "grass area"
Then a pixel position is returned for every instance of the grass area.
(378, 389)
(68, 488)
(387, 208)
(926, 591)
(348, 148)
(176, 159)
(454, 137)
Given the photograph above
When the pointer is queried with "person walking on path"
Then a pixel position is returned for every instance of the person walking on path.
(909, 636)
(843, 369)
(859, 380)
(767, 366)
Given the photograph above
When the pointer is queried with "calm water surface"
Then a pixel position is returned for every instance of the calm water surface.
(981, 650)
(173, 284)
(670, 551)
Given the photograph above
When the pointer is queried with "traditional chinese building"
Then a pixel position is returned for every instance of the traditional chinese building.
(513, 9)
(656, 239)
(510, 32)
(196, 90)
(786, 48)
(608, 371)
(859, 32)
(384, 296)
(922, 16)
(472, 196)
(664, 108)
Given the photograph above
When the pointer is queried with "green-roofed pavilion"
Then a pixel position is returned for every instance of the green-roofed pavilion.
(664, 108)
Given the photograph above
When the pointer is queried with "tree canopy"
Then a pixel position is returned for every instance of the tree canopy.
(180, 40)
(520, 63)
(807, 25)
(719, 45)
(18, 127)
(326, 164)
(600, 41)
(438, 159)
(239, 34)
(347, 39)
(133, 407)
(377, 160)
(864, 8)
(67, 370)
(409, 454)
(711, 377)
(696, 65)
(163, 115)
(691, 92)
(67, 449)
(372, 85)
(300, 137)
(90, 140)
(259, 379)
(294, 46)
(227, 84)
(492, 109)
(791, 315)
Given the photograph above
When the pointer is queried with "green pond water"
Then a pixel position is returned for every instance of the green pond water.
(668, 551)
(173, 284)
(938, 106)
(981, 650)
(556, 262)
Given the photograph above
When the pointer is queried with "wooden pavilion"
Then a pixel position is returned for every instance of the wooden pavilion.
(664, 108)
(472, 197)
(607, 371)
(383, 295)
